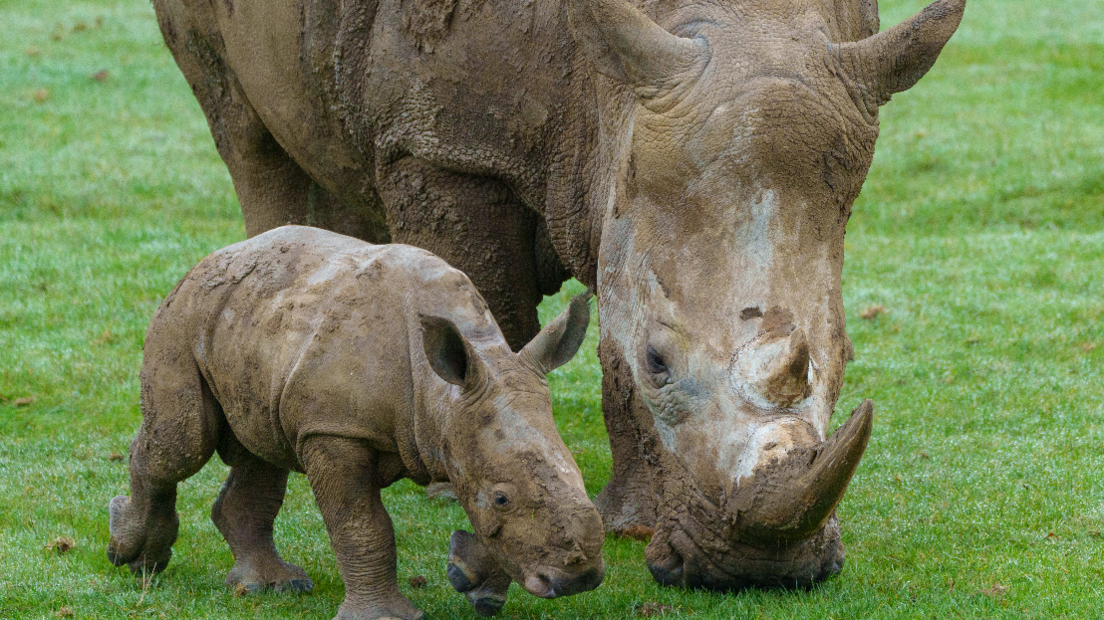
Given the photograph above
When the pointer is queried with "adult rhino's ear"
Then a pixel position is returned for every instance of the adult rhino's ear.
(893, 61)
(558, 342)
(624, 44)
(448, 352)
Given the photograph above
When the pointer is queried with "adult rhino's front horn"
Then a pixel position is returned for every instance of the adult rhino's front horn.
(792, 497)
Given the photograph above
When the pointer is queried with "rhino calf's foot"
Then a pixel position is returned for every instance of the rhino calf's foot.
(142, 542)
(244, 513)
(472, 573)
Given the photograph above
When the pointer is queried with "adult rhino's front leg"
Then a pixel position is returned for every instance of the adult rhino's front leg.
(627, 503)
(343, 475)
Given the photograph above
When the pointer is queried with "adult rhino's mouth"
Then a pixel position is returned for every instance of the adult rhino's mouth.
(674, 559)
(779, 530)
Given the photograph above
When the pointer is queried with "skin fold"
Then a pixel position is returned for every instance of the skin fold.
(694, 163)
(358, 365)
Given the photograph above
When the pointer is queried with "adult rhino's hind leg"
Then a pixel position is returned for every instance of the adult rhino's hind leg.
(272, 188)
(177, 437)
(244, 513)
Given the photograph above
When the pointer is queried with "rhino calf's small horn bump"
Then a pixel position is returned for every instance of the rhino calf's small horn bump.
(814, 481)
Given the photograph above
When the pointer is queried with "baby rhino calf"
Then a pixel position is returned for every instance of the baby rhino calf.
(357, 365)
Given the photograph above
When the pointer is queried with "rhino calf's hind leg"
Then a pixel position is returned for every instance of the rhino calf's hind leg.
(244, 513)
(346, 484)
(176, 439)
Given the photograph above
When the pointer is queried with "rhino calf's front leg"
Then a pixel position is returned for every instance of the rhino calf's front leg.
(344, 477)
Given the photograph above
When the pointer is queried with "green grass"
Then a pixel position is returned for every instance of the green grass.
(981, 231)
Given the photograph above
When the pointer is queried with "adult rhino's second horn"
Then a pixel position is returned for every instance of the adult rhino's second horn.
(778, 369)
(794, 496)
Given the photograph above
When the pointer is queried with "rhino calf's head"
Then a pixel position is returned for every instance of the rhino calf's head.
(515, 478)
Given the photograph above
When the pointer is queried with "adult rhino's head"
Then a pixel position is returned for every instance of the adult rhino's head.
(742, 140)
(511, 471)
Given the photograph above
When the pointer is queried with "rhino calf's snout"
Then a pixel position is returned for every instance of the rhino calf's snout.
(551, 582)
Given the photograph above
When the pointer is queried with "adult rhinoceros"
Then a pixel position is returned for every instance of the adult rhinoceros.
(693, 161)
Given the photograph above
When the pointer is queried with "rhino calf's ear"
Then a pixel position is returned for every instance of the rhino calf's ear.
(445, 349)
(558, 342)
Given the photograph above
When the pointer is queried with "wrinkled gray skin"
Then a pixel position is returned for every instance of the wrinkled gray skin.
(693, 162)
(358, 365)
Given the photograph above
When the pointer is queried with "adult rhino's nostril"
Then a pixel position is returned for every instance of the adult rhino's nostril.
(540, 584)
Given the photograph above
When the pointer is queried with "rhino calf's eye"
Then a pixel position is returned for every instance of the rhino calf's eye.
(500, 499)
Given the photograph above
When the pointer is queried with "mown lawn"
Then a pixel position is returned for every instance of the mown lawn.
(980, 232)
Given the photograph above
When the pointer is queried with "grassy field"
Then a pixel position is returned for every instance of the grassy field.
(980, 231)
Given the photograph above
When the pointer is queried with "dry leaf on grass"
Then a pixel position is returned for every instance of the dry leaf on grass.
(115, 456)
(1088, 347)
(64, 612)
(100, 76)
(637, 532)
(61, 544)
(653, 608)
(442, 491)
(41, 95)
(996, 591)
(416, 582)
(872, 311)
(23, 402)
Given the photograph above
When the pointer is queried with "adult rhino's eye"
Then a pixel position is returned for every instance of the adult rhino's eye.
(500, 499)
(655, 362)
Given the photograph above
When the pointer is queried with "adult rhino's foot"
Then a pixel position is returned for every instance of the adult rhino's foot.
(140, 538)
(395, 607)
(268, 573)
(628, 506)
(472, 573)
